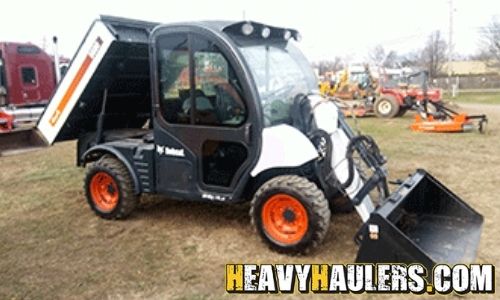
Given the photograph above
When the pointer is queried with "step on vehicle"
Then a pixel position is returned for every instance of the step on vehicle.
(227, 112)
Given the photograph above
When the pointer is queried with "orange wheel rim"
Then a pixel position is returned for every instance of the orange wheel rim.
(285, 219)
(104, 191)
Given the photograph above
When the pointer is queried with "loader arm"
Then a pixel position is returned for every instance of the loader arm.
(421, 221)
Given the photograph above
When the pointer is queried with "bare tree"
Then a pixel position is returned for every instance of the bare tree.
(412, 59)
(329, 65)
(380, 57)
(490, 43)
(434, 54)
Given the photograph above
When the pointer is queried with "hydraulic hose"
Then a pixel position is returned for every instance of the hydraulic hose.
(369, 152)
(350, 162)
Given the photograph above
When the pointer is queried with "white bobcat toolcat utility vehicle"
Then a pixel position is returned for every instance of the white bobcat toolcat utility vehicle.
(227, 112)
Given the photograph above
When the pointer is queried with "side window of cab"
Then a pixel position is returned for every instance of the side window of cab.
(174, 84)
(198, 86)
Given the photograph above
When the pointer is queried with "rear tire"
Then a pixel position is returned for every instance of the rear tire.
(109, 189)
(386, 107)
(291, 214)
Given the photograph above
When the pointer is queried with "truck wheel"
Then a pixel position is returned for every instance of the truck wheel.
(109, 189)
(291, 214)
(386, 107)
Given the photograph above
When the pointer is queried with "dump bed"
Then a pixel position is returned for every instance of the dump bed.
(113, 59)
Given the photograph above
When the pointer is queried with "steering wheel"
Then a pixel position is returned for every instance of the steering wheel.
(228, 100)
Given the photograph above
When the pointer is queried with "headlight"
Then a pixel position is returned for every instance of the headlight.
(266, 32)
(247, 29)
(287, 35)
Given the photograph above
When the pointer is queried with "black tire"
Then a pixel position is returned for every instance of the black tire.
(126, 198)
(312, 201)
(386, 107)
(402, 112)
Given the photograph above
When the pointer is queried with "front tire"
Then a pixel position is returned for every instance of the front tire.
(386, 107)
(109, 189)
(290, 214)
(402, 112)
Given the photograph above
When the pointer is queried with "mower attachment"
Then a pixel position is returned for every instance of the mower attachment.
(446, 120)
(421, 222)
(20, 141)
(456, 123)
(354, 108)
(358, 111)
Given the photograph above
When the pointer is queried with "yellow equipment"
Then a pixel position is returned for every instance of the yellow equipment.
(350, 85)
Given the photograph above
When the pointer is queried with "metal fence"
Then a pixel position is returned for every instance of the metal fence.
(482, 83)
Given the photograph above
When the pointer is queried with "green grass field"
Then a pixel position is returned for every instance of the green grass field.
(484, 98)
(53, 247)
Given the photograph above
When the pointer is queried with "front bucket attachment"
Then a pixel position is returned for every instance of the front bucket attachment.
(421, 222)
(20, 141)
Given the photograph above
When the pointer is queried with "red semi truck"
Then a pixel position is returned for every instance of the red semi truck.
(27, 81)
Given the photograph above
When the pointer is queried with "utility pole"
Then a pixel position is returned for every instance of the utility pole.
(450, 48)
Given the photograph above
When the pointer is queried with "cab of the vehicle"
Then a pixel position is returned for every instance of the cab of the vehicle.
(216, 87)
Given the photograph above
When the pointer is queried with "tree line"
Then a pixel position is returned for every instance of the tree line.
(431, 57)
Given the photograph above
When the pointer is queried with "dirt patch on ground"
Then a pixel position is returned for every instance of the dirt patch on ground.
(53, 246)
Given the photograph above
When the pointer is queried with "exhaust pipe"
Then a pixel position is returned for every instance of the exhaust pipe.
(57, 66)
(421, 222)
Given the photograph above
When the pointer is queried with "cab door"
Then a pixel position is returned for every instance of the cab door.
(205, 125)
(30, 84)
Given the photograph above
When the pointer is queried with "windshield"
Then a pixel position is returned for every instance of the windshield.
(280, 73)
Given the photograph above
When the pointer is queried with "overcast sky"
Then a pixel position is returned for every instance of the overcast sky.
(348, 28)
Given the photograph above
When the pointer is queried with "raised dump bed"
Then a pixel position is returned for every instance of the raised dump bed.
(112, 63)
